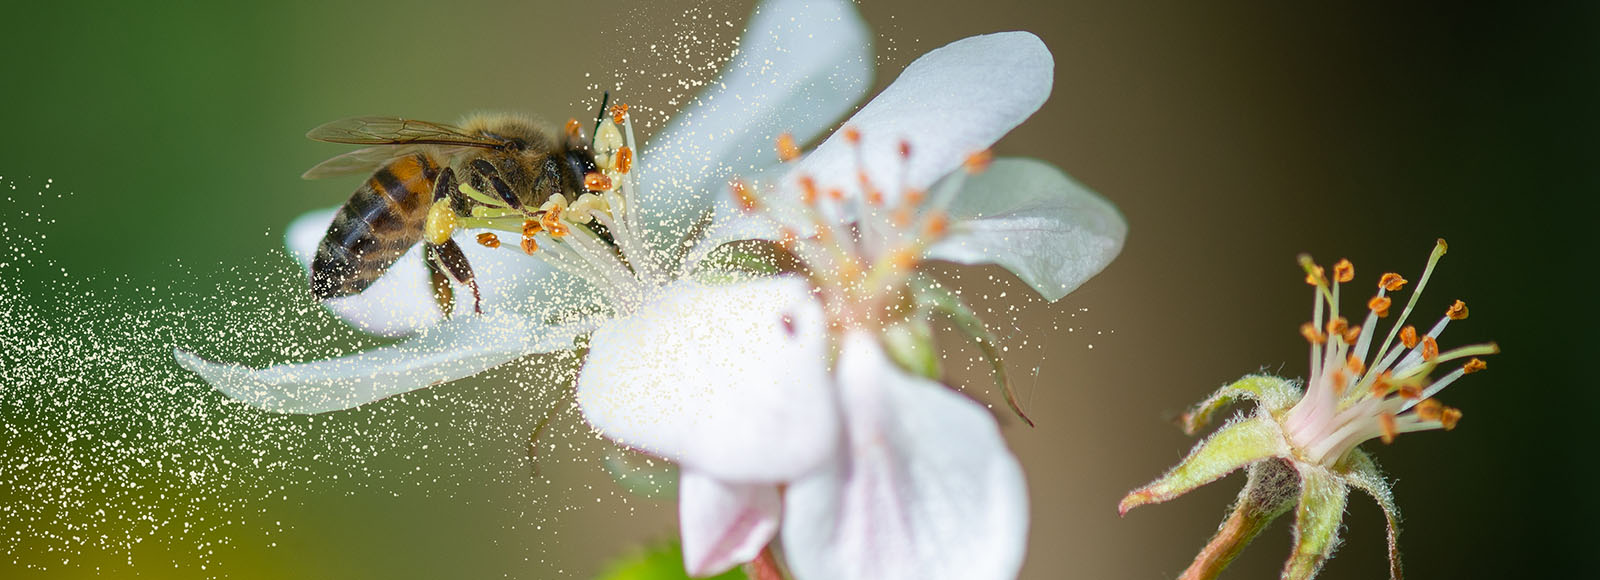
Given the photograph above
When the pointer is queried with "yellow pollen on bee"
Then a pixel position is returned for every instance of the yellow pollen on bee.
(787, 149)
(551, 222)
(1430, 348)
(1344, 271)
(1390, 427)
(529, 245)
(488, 240)
(1379, 305)
(1457, 311)
(1408, 336)
(573, 128)
(978, 162)
(1474, 365)
(441, 222)
(1391, 282)
(596, 181)
(619, 113)
(746, 198)
(624, 160)
(1311, 333)
(1449, 417)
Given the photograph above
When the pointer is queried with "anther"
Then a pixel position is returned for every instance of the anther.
(836, 194)
(624, 160)
(596, 181)
(1344, 271)
(808, 190)
(488, 240)
(1337, 326)
(573, 128)
(938, 224)
(1381, 385)
(1351, 334)
(1457, 311)
(787, 150)
(904, 258)
(914, 197)
(1315, 276)
(1450, 416)
(1391, 282)
(619, 112)
(851, 134)
(978, 162)
(551, 222)
(1408, 336)
(905, 149)
(529, 245)
(1430, 410)
(1386, 422)
(1411, 391)
(746, 198)
(1430, 348)
(1379, 305)
(531, 227)
(1355, 365)
(1474, 365)
(1311, 333)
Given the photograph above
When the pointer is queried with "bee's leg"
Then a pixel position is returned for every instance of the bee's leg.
(443, 294)
(490, 175)
(448, 259)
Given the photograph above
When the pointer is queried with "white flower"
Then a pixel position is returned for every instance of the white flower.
(800, 66)
(786, 381)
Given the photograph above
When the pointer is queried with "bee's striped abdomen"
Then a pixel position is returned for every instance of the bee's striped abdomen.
(382, 219)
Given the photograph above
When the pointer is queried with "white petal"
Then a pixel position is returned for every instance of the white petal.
(1035, 221)
(926, 490)
(401, 302)
(730, 380)
(949, 104)
(724, 524)
(800, 66)
(460, 347)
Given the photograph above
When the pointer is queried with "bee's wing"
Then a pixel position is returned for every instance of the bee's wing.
(397, 131)
(369, 159)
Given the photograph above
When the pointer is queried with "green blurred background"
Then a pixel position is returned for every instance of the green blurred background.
(1232, 134)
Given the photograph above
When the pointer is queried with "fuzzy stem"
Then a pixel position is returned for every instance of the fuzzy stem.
(1231, 539)
(764, 567)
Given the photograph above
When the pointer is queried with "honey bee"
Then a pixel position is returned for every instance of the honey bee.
(414, 193)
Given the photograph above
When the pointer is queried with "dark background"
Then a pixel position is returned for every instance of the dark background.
(1233, 135)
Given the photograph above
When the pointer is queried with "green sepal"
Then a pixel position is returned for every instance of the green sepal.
(931, 297)
(1239, 443)
(1361, 472)
(661, 561)
(910, 344)
(1270, 392)
(1316, 523)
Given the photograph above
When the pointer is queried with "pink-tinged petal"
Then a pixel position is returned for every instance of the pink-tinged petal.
(724, 524)
(401, 302)
(800, 66)
(730, 380)
(953, 102)
(927, 488)
(457, 348)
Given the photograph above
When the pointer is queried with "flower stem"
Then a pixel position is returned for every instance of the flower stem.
(764, 567)
(1231, 539)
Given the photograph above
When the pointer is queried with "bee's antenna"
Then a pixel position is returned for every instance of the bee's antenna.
(605, 99)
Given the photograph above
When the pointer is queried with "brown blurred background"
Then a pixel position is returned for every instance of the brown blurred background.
(1233, 135)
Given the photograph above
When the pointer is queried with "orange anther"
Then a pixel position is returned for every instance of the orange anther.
(529, 246)
(904, 258)
(1337, 326)
(1450, 417)
(1379, 305)
(851, 134)
(915, 196)
(905, 149)
(551, 222)
(624, 159)
(573, 128)
(1411, 391)
(1430, 410)
(1311, 333)
(1391, 282)
(596, 181)
(1430, 348)
(747, 198)
(836, 194)
(901, 217)
(938, 223)
(1457, 311)
(1390, 428)
(1344, 271)
(619, 113)
(1355, 365)
(1351, 334)
(488, 240)
(531, 227)
(1316, 276)
(874, 197)
(978, 162)
(808, 190)
(1474, 365)
(787, 149)
(1382, 385)
(1408, 336)
(1339, 380)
